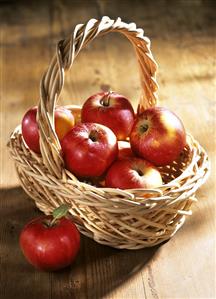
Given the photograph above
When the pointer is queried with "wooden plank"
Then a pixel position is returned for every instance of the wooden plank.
(17, 278)
(25, 40)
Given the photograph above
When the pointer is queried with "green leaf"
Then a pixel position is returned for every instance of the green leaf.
(61, 211)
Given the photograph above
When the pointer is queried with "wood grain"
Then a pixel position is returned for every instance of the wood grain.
(182, 35)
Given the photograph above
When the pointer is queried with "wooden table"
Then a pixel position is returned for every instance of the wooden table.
(182, 35)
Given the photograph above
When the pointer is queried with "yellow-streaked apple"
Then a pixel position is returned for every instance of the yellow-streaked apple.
(132, 174)
(158, 135)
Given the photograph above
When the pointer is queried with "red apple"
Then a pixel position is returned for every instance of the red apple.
(125, 151)
(89, 149)
(64, 121)
(30, 130)
(132, 174)
(158, 136)
(112, 110)
(50, 243)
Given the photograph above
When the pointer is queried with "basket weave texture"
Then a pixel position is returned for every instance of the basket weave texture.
(129, 219)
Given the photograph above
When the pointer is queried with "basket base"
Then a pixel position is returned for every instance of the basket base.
(116, 241)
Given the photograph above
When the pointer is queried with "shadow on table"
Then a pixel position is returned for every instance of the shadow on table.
(107, 268)
(97, 270)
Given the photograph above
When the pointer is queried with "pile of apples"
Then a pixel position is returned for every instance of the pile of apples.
(112, 146)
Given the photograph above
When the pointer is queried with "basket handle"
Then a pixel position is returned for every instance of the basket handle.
(53, 80)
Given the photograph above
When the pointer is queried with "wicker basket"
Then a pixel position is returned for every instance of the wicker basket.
(129, 219)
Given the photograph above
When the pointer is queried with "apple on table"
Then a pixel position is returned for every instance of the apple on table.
(50, 242)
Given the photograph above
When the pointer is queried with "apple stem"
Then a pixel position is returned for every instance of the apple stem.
(58, 213)
(93, 135)
(140, 173)
(143, 128)
(105, 101)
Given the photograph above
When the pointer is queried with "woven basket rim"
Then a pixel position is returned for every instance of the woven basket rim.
(158, 191)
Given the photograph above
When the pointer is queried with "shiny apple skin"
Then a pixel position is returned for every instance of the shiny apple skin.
(124, 150)
(30, 131)
(85, 157)
(118, 115)
(64, 122)
(164, 138)
(50, 248)
(132, 174)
